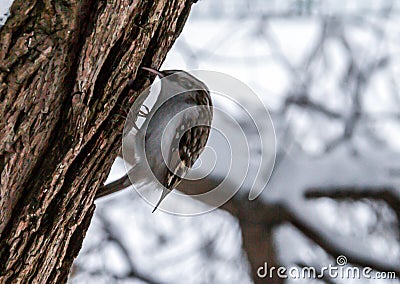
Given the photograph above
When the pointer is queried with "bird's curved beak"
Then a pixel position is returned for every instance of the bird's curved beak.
(154, 71)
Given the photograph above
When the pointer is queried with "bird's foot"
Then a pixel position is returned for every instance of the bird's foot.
(144, 113)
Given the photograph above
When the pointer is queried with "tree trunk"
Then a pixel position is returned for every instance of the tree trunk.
(257, 221)
(65, 68)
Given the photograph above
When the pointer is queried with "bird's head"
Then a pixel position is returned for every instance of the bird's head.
(179, 81)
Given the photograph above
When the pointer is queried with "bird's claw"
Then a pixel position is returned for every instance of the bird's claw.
(144, 113)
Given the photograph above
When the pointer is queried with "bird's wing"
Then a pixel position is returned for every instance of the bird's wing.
(186, 145)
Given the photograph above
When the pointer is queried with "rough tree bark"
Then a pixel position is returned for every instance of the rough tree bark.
(65, 66)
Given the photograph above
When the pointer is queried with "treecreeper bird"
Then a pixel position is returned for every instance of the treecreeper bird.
(171, 138)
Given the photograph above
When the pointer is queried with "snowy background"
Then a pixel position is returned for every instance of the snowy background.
(328, 72)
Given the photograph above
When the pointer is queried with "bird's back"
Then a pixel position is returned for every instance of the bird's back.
(185, 129)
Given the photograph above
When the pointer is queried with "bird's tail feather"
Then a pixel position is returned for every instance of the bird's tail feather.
(163, 195)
